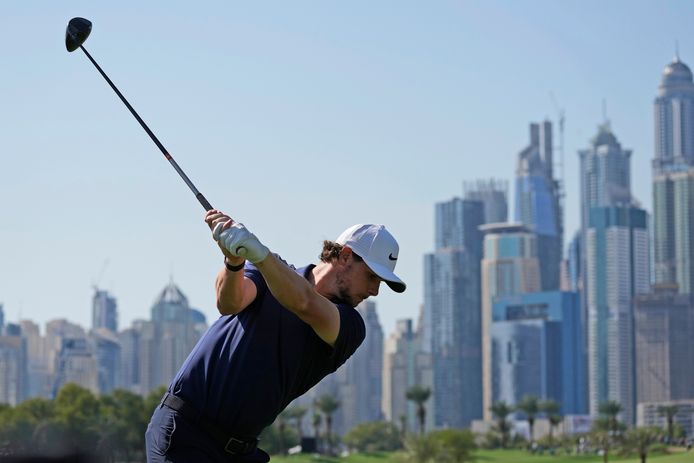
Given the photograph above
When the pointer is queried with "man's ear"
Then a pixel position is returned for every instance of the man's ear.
(345, 254)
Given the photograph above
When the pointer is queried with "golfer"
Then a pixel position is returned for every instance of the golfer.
(282, 330)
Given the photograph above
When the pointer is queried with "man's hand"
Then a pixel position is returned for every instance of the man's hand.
(237, 241)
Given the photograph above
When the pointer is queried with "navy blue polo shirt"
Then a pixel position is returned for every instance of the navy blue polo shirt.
(248, 367)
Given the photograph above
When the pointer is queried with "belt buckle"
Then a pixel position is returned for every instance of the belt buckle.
(235, 446)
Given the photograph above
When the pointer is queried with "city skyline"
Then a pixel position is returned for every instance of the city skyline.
(417, 97)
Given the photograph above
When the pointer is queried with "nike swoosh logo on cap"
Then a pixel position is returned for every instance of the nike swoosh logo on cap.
(390, 256)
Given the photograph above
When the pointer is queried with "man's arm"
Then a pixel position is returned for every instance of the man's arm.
(299, 296)
(291, 290)
(234, 291)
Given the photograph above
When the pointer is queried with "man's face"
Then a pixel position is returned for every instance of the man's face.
(356, 281)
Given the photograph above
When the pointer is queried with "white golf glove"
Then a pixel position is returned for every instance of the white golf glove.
(240, 242)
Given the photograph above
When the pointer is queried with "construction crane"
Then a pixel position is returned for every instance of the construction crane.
(100, 275)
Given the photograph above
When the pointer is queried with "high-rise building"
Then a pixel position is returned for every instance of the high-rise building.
(39, 376)
(494, 196)
(452, 312)
(605, 174)
(2, 320)
(617, 269)
(129, 340)
(107, 349)
(56, 331)
(664, 323)
(13, 371)
(649, 414)
(104, 311)
(166, 341)
(537, 350)
(406, 364)
(358, 383)
(510, 266)
(76, 363)
(673, 166)
(538, 202)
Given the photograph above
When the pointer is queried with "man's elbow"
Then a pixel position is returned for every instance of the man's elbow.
(228, 308)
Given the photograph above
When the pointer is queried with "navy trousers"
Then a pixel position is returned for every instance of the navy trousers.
(171, 438)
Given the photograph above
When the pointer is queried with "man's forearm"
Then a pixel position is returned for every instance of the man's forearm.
(289, 288)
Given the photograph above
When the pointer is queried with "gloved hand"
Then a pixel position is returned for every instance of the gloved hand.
(240, 242)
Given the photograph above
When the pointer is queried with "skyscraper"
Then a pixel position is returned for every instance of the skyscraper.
(165, 342)
(358, 383)
(510, 266)
(104, 311)
(452, 312)
(537, 349)
(494, 196)
(538, 202)
(13, 369)
(664, 323)
(405, 364)
(617, 269)
(107, 350)
(673, 170)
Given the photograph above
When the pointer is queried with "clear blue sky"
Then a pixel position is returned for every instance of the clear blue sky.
(298, 118)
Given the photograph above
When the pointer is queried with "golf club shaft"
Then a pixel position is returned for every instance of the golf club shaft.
(156, 141)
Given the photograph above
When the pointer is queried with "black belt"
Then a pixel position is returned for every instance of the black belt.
(231, 444)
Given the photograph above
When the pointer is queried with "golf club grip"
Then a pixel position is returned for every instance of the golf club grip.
(204, 202)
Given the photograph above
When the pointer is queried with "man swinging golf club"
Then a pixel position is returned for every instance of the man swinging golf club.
(282, 330)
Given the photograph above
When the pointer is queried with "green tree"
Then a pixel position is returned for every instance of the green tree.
(501, 410)
(454, 445)
(420, 449)
(273, 444)
(296, 413)
(530, 407)
(328, 404)
(551, 410)
(374, 436)
(444, 446)
(77, 411)
(610, 410)
(122, 425)
(419, 395)
(640, 440)
(669, 412)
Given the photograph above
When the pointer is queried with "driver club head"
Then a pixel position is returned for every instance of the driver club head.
(77, 31)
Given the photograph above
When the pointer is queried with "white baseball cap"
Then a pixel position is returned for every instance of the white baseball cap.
(379, 250)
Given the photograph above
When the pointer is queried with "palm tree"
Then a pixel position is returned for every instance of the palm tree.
(601, 438)
(640, 440)
(327, 404)
(419, 395)
(551, 409)
(296, 413)
(669, 412)
(501, 410)
(611, 410)
(317, 420)
(531, 407)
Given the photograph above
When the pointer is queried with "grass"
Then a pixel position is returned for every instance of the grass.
(494, 456)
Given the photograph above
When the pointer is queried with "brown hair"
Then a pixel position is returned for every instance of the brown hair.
(331, 250)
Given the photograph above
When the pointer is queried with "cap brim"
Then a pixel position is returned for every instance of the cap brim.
(391, 279)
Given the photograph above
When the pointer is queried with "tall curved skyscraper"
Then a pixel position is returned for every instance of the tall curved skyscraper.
(673, 178)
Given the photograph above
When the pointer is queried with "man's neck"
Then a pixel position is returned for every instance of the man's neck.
(321, 277)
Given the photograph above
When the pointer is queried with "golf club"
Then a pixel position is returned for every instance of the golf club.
(78, 29)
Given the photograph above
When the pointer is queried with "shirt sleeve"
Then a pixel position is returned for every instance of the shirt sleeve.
(351, 335)
(251, 272)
